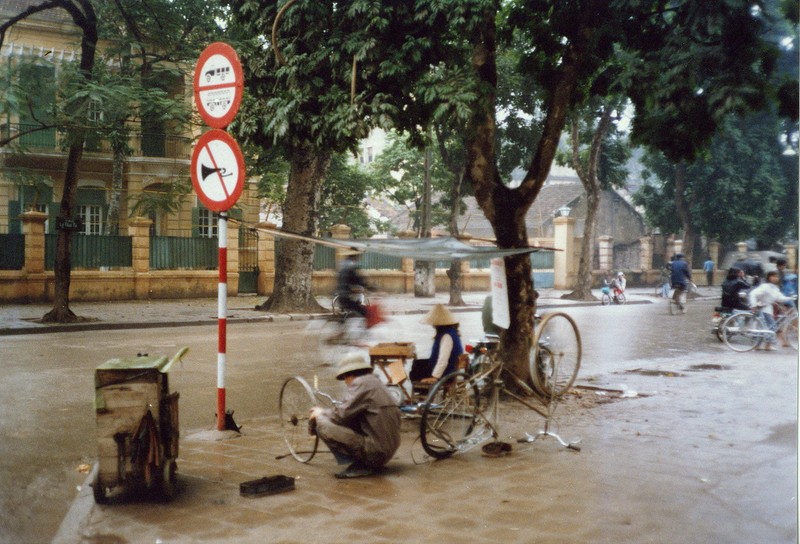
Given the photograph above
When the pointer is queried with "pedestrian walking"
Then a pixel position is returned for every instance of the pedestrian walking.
(708, 268)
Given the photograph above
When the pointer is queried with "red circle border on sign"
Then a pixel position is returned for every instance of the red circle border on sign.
(218, 205)
(220, 48)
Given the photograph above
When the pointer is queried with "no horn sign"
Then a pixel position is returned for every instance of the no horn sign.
(217, 170)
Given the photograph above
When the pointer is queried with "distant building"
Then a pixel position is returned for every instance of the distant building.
(160, 152)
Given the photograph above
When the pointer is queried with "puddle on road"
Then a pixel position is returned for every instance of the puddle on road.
(783, 435)
(664, 373)
(707, 366)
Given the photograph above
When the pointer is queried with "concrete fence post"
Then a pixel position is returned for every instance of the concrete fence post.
(605, 249)
(791, 256)
(139, 231)
(340, 232)
(645, 253)
(33, 229)
(266, 259)
(564, 260)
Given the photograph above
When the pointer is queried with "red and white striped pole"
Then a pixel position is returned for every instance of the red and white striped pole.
(222, 316)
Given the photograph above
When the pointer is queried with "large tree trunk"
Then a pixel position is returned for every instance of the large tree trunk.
(506, 208)
(684, 213)
(454, 273)
(117, 166)
(293, 271)
(591, 184)
(83, 15)
(425, 271)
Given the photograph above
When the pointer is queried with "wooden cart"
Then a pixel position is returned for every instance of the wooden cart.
(390, 358)
(137, 427)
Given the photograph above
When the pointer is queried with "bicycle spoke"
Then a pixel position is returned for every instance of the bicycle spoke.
(448, 423)
(556, 355)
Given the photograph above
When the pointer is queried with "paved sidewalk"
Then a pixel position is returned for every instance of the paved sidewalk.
(127, 314)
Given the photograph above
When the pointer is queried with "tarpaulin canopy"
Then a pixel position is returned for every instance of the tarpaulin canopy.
(445, 248)
(433, 249)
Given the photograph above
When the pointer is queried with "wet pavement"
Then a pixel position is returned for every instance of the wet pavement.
(682, 440)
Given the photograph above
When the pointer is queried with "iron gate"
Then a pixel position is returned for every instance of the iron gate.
(248, 260)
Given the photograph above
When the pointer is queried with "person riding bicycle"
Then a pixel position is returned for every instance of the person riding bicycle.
(619, 284)
(764, 298)
(350, 284)
(732, 289)
(445, 351)
(680, 276)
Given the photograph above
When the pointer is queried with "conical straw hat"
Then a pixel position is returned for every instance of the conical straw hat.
(439, 316)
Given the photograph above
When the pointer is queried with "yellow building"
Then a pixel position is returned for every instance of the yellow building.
(160, 154)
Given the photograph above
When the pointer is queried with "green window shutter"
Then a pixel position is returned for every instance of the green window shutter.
(52, 212)
(14, 224)
(195, 222)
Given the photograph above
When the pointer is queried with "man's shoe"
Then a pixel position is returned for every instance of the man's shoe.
(355, 471)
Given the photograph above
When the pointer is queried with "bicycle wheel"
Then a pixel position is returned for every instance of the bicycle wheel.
(621, 298)
(448, 422)
(605, 300)
(556, 354)
(336, 307)
(295, 402)
(739, 332)
(790, 332)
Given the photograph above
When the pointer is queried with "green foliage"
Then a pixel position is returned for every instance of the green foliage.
(344, 196)
(167, 199)
(736, 191)
(25, 177)
(400, 175)
(612, 170)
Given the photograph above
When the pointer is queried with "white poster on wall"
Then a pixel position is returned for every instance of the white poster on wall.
(500, 313)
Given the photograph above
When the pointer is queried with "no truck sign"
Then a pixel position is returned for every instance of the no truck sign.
(218, 84)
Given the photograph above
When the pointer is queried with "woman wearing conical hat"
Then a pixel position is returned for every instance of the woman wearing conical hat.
(446, 347)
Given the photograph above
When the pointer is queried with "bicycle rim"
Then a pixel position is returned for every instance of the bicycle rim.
(738, 332)
(295, 402)
(556, 354)
(448, 423)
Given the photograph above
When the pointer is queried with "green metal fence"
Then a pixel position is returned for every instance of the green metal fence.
(92, 251)
(12, 251)
(180, 253)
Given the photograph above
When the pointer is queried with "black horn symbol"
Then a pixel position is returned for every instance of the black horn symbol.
(206, 171)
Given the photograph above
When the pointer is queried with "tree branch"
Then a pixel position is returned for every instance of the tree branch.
(50, 4)
(275, 25)
(5, 141)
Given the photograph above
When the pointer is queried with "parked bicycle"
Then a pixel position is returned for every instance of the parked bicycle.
(461, 410)
(745, 330)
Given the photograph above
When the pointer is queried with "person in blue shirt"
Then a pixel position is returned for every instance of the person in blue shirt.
(680, 276)
(708, 268)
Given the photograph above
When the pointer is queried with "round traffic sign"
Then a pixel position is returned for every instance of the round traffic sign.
(218, 84)
(217, 170)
